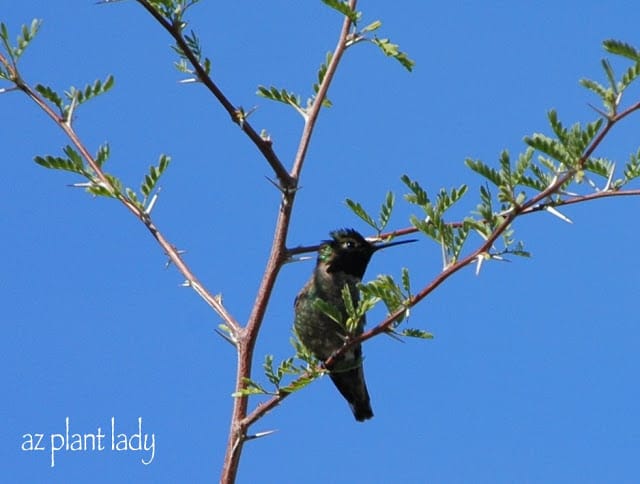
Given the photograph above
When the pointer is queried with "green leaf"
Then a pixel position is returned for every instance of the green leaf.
(103, 154)
(419, 195)
(518, 250)
(478, 225)
(608, 70)
(406, 283)
(457, 193)
(393, 50)
(99, 190)
(298, 383)
(621, 48)
(50, 95)
(550, 147)
(591, 131)
(557, 127)
(544, 178)
(323, 71)
(115, 183)
(90, 90)
(348, 302)
(460, 235)
(329, 310)
(423, 226)
(416, 333)
(385, 211)
(302, 352)
(599, 166)
(489, 220)
(4, 32)
(27, 34)
(133, 197)
(597, 88)
(505, 168)
(267, 365)
(384, 289)
(193, 43)
(632, 168)
(151, 179)
(375, 25)
(166, 8)
(74, 157)
(522, 165)
(58, 163)
(282, 95)
(629, 76)
(250, 388)
(484, 170)
(361, 212)
(206, 65)
(344, 9)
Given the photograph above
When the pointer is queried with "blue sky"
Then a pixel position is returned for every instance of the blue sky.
(532, 375)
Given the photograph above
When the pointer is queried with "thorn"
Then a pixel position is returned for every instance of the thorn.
(555, 212)
(301, 258)
(445, 259)
(592, 184)
(8, 89)
(618, 99)
(251, 111)
(153, 201)
(72, 108)
(88, 185)
(258, 435)
(607, 187)
(186, 284)
(479, 262)
(227, 338)
(599, 111)
(280, 189)
(190, 80)
(395, 335)
(482, 234)
(570, 194)
(506, 212)
(179, 251)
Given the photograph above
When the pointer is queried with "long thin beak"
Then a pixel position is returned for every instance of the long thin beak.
(390, 244)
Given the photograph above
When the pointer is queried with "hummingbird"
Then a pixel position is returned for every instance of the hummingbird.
(341, 262)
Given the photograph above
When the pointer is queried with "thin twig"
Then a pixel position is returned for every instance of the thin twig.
(265, 146)
(306, 249)
(169, 249)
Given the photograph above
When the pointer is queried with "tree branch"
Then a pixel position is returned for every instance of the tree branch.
(277, 258)
(535, 204)
(145, 218)
(532, 205)
(265, 146)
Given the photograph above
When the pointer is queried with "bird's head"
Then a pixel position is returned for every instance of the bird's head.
(349, 252)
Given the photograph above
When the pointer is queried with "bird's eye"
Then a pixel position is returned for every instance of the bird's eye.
(348, 244)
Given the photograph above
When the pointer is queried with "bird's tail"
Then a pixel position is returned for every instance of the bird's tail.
(353, 388)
